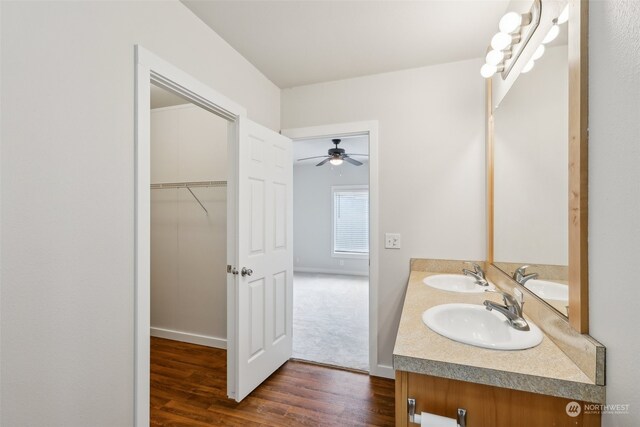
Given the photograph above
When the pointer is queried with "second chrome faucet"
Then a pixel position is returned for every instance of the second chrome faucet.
(521, 276)
(477, 274)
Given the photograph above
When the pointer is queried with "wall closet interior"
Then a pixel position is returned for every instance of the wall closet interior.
(188, 221)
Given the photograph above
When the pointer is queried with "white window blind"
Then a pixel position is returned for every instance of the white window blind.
(351, 220)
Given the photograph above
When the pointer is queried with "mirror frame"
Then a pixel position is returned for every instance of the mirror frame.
(578, 54)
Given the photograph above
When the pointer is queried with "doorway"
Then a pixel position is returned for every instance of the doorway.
(259, 255)
(188, 248)
(331, 251)
(188, 221)
(366, 274)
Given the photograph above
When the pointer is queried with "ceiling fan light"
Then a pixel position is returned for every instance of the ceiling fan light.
(336, 161)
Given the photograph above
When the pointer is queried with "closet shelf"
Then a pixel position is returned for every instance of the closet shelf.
(188, 186)
(192, 184)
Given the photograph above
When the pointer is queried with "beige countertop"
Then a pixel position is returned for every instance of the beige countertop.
(544, 369)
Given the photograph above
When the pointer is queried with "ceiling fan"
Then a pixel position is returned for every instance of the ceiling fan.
(336, 156)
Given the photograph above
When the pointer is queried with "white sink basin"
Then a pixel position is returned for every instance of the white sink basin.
(455, 283)
(548, 290)
(474, 324)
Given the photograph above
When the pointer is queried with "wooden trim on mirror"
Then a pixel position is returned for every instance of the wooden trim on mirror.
(489, 155)
(578, 165)
(578, 57)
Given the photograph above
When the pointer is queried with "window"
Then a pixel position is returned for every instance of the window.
(351, 221)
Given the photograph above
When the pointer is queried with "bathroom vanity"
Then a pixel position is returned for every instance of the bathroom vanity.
(532, 387)
(537, 247)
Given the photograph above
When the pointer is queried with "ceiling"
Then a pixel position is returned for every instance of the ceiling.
(318, 147)
(309, 41)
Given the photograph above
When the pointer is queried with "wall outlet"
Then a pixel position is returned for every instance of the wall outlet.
(392, 240)
(341, 262)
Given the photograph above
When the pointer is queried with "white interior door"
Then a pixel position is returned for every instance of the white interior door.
(264, 285)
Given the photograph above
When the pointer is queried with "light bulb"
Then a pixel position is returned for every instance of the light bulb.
(501, 41)
(336, 161)
(564, 15)
(538, 53)
(510, 22)
(552, 34)
(494, 57)
(528, 67)
(488, 70)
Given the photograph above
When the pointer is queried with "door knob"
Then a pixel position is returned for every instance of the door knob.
(246, 271)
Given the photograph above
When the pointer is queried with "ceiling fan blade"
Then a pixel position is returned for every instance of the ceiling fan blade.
(352, 161)
(324, 161)
(308, 158)
(352, 154)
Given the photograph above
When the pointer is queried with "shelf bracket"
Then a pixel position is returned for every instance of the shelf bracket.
(198, 200)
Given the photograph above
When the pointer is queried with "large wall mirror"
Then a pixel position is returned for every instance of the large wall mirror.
(538, 160)
(531, 178)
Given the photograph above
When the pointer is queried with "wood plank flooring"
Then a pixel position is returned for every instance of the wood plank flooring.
(188, 388)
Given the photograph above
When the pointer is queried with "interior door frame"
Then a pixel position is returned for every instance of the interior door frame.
(369, 128)
(151, 68)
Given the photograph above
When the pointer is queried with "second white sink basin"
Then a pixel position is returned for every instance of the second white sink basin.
(455, 283)
(548, 290)
(474, 324)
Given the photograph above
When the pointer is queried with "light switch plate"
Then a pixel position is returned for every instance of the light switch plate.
(392, 240)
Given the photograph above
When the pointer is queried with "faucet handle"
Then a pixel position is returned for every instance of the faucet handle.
(476, 268)
(508, 299)
(522, 269)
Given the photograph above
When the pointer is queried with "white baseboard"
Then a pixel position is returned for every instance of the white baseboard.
(383, 371)
(330, 271)
(189, 337)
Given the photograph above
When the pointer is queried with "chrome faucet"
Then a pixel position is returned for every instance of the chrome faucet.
(477, 274)
(520, 276)
(511, 309)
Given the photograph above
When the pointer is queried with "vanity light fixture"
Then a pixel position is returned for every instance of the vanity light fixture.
(495, 57)
(564, 15)
(488, 70)
(538, 53)
(512, 21)
(511, 26)
(502, 41)
(528, 67)
(553, 33)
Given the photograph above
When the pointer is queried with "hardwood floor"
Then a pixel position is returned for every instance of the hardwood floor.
(188, 388)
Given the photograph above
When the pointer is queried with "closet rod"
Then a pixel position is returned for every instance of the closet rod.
(192, 184)
(188, 185)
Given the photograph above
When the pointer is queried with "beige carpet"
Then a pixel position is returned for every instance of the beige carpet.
(331, 319)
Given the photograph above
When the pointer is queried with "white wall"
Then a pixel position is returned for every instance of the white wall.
(68, 194)
(313, 214)
(432, 180)
(530, 165)
(614, 197)
(188, 245)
